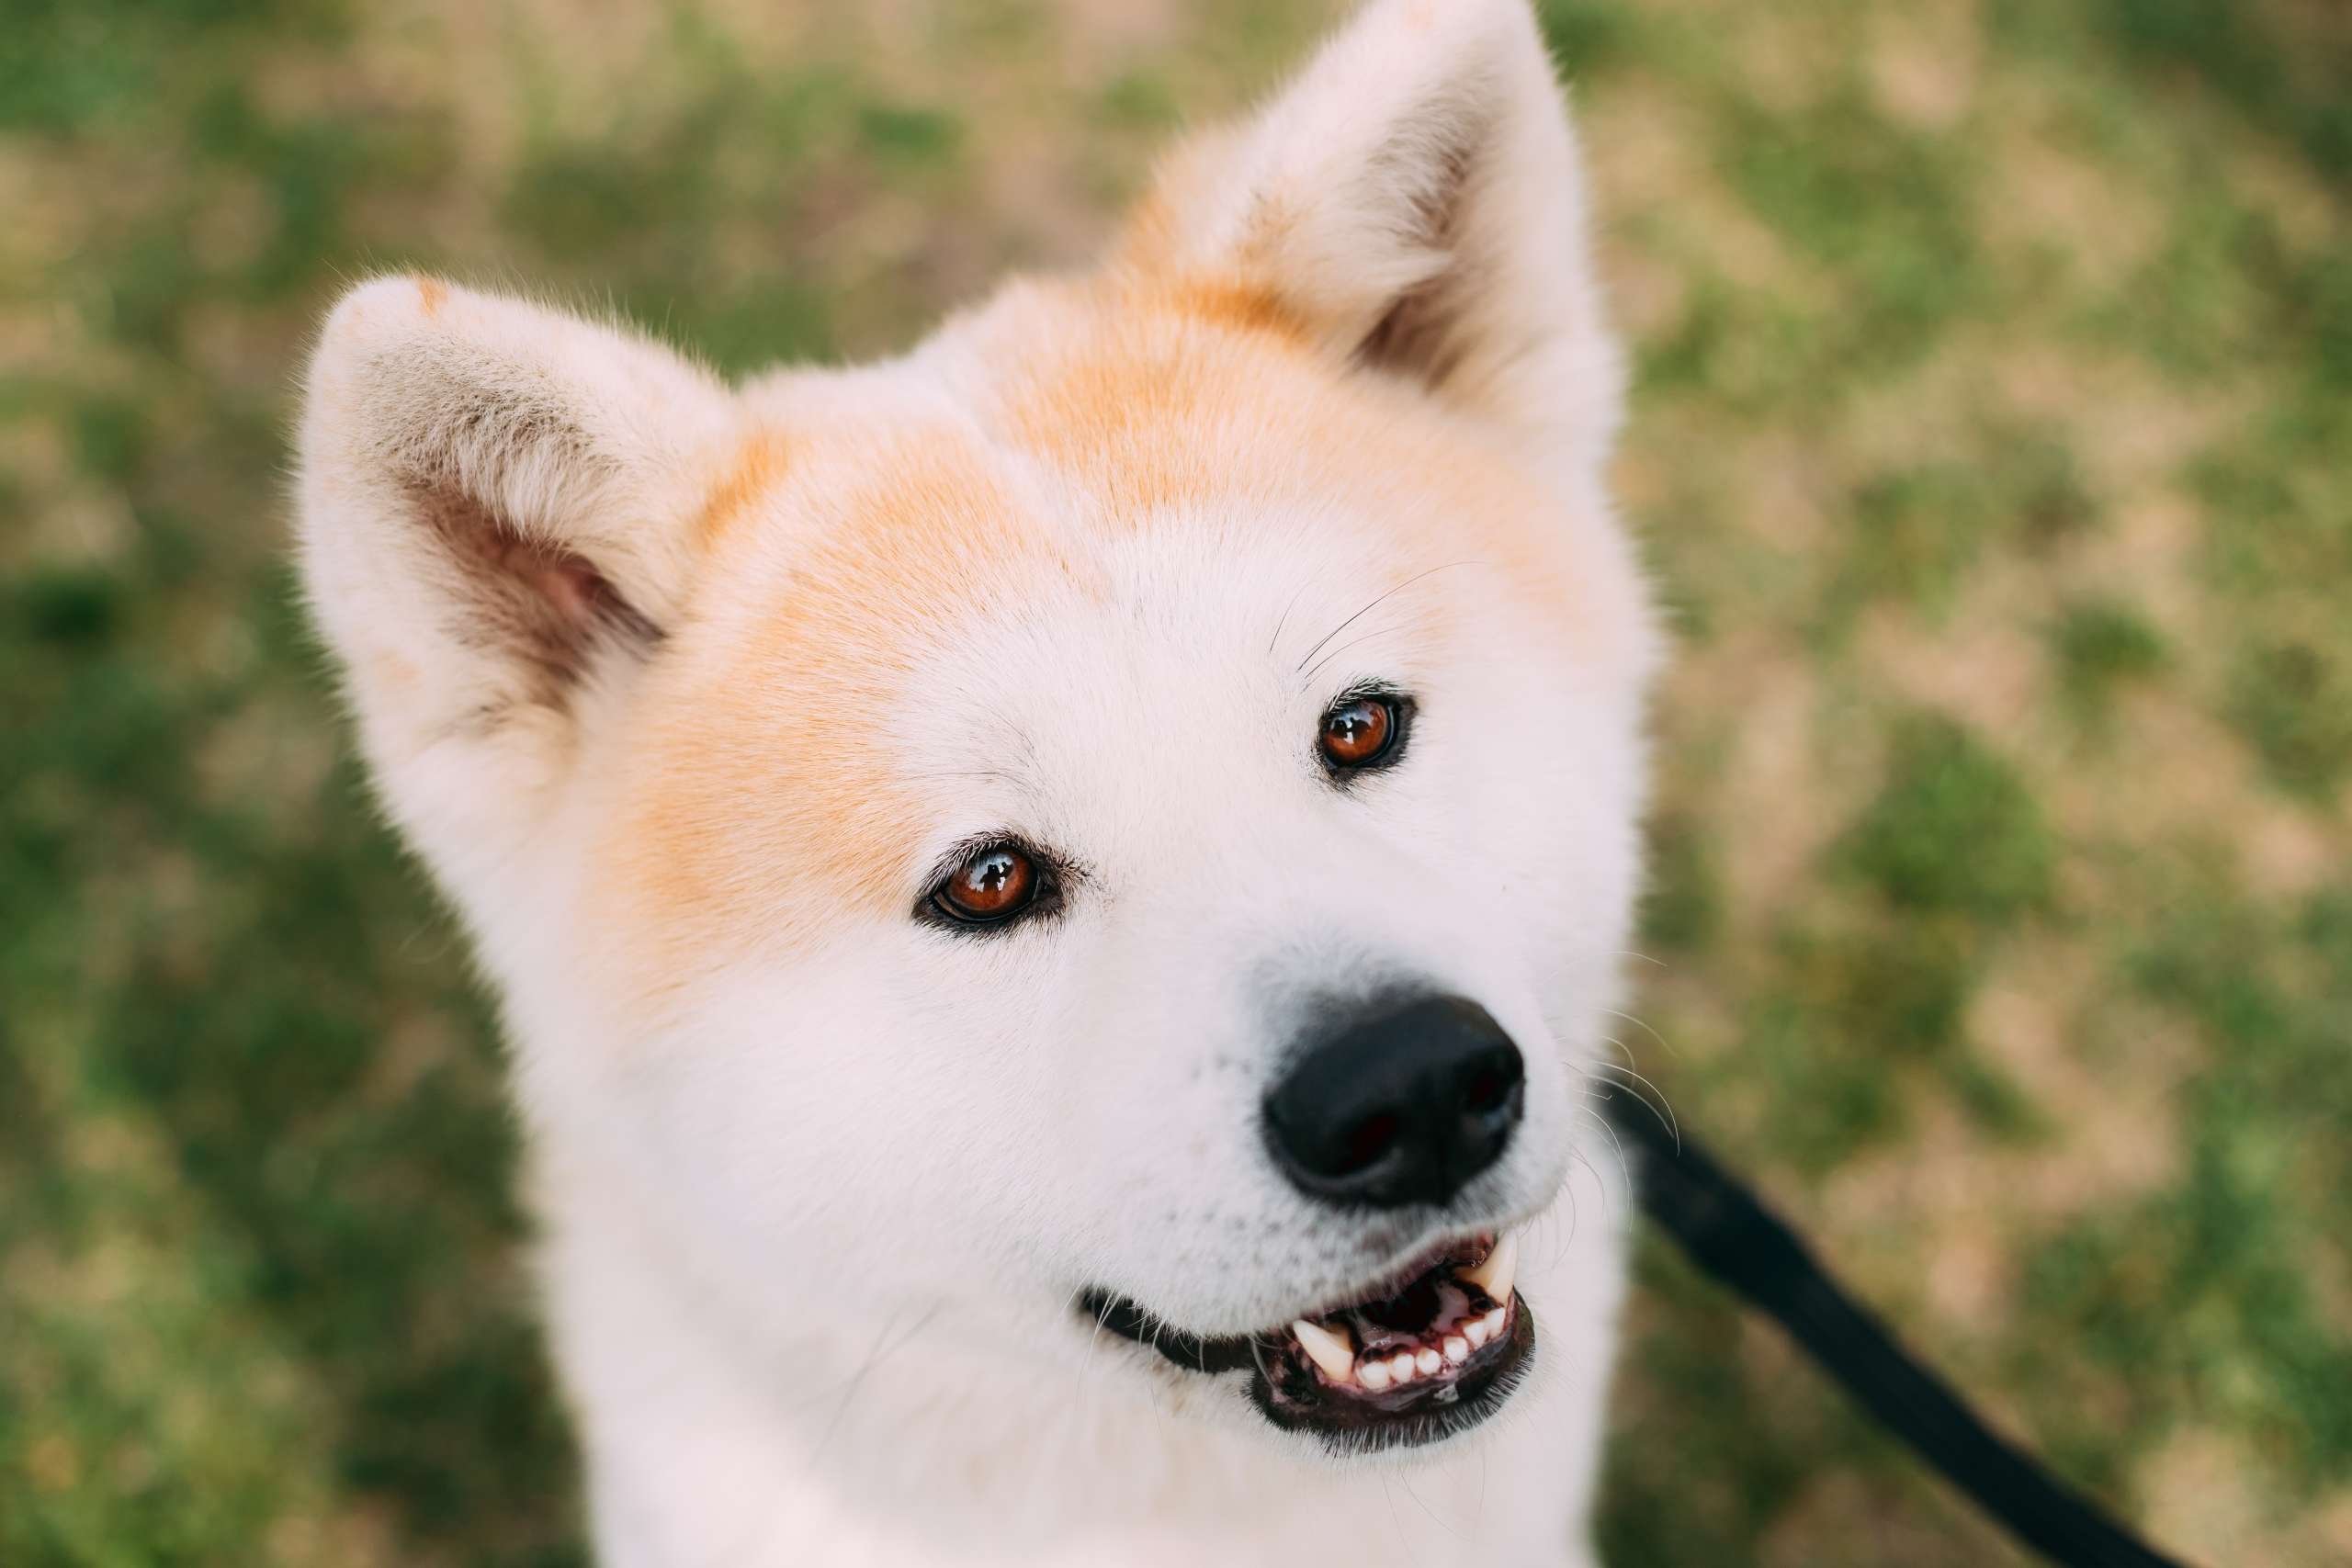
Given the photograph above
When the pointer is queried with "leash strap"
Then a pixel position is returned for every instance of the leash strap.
(1731, 1236)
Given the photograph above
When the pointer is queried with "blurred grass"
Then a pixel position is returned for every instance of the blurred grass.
(2004, 894)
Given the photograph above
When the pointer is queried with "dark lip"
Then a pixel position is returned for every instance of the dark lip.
(1289, 1395)
(1193, 1352)
(1236, 1352)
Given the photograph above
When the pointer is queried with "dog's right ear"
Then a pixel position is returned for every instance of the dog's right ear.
(497, 522)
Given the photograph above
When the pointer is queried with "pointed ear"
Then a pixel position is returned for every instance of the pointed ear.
(496, 510)
(1412, 199)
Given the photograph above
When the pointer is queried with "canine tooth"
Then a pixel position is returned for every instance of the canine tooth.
(1374, 1376)
(1402, 1365)
(1335, 1353)
(1477, 1332)
(1494, 1321)
(1428, 1361)
(1457, 1349)
(1494, 1275)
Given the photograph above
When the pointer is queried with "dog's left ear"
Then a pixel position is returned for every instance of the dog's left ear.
(1413, 201)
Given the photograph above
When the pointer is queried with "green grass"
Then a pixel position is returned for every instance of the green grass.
(2098, 646)
(1954, 831)
(1995, 376)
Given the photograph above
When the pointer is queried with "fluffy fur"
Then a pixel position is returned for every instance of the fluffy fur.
(685, 692)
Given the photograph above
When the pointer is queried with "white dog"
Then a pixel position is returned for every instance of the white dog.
(1054, 897)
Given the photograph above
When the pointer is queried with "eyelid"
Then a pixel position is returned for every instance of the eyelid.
(1054, 874)
(1369, 691)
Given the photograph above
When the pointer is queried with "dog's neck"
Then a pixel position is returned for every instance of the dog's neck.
(891, 1438)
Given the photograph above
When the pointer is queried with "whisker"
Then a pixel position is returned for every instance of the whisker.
(1294, 596)
(1625, 1167)
(1407, 1481)
(999, 775)
(881, 1338)
(1395, 1522)
(1559, 1253)
(849, 1395)
(1660, 1108)
(1308, 679)
(1360, 614)
(1612, 1040)
(1598, 1180)
(1151, 1386)
(1094, 1345)
(1663, 1043)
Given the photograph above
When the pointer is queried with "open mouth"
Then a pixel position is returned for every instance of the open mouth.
(1432, 1352)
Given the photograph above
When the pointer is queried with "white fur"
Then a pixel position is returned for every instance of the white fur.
(816, 1210)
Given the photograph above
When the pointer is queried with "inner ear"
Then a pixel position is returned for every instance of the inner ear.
(1438, 160)
(550, 607)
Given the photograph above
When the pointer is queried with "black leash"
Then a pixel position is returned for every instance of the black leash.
(1732, 1236)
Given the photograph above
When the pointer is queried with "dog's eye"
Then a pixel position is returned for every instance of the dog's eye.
(994, 885)
(1361, 732)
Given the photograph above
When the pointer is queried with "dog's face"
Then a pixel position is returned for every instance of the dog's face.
(1124, 817)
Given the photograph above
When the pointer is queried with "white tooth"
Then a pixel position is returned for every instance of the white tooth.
(1428, 1361)
(1375, 1375)
(1494, 1275)
(1477, 1331)
(1494, 1321)
(1333, 1350)
(1402, 1365)
(1457, 1349)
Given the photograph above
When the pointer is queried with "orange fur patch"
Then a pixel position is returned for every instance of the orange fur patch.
(431, 294)
(759, 464)
(766, 779)
(1163, 396)
(1142, 391)
(1243, 307)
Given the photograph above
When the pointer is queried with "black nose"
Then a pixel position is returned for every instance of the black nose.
(1402, 1105)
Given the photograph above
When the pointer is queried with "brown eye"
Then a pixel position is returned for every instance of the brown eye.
(995, 884)
(1360, 731)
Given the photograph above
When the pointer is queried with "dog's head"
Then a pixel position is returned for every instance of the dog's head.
(1124, 815)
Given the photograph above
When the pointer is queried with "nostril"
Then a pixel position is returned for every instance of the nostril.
(1486, 1086)
(1368, 1142)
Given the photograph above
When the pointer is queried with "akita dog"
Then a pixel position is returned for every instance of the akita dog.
(1054, 896)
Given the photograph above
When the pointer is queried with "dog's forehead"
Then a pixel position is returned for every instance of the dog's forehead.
(1071, 514)
(1157, 444)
